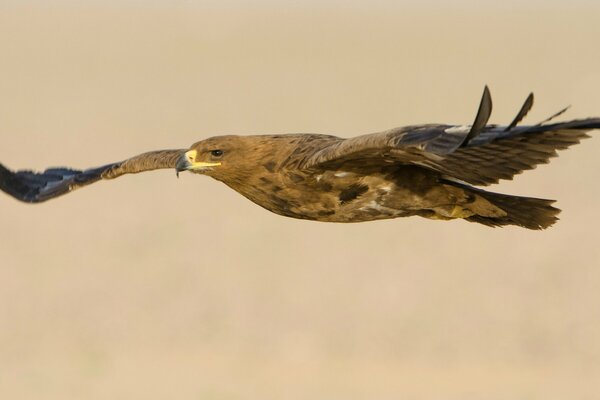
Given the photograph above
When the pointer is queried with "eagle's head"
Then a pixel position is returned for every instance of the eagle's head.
(230, 158)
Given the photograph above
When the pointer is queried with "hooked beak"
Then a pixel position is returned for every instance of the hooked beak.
(187, 162)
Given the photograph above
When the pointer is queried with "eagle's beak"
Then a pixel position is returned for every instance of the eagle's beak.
(187, 162)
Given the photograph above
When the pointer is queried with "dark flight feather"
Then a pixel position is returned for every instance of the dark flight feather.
(525, 108)
(36, 187)
(482, 117)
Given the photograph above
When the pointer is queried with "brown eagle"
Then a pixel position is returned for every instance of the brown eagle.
(426, 170)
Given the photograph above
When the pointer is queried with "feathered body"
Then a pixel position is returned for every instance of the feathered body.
(273, 174)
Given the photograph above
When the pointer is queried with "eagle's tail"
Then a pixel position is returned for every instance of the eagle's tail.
(527, 212)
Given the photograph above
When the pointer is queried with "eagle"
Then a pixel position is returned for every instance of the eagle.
(429, 170)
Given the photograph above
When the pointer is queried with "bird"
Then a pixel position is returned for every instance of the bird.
(429, 170)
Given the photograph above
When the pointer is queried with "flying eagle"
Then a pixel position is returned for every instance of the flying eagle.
(425, 170)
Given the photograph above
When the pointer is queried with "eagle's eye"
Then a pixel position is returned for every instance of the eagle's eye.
(216, 153)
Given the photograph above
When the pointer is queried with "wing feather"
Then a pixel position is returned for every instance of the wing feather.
(36, 187)
(479, 155)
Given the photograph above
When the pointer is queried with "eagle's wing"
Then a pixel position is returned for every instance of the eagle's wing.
(478, 154)
(35, 187)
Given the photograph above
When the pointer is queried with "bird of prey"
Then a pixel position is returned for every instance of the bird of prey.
(426, 170)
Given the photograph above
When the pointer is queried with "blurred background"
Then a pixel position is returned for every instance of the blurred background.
(152, 287)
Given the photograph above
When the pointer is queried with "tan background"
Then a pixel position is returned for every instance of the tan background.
(149, 287)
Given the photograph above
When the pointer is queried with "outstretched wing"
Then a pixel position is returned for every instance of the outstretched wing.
(35, 187)
(478, 154)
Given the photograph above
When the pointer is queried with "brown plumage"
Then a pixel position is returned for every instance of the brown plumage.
(423, 170)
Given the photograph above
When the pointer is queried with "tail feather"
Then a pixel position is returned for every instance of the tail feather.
(527, 212)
